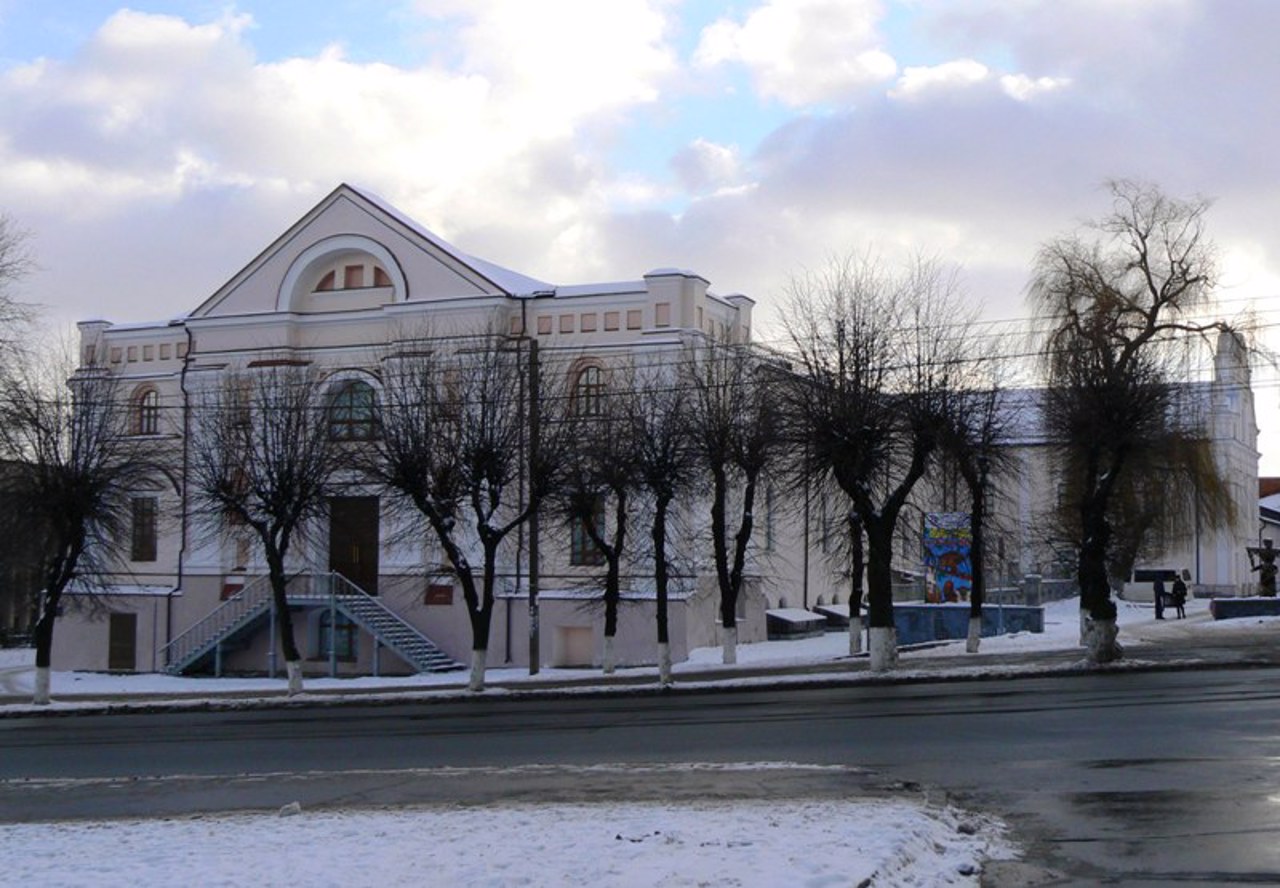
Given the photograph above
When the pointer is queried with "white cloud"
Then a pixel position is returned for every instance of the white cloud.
(156, 115)
(704, 164)
(803, 52)
(918, 81)
(553, 61)
(1024, 88)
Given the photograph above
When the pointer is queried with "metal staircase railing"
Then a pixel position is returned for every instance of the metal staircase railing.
(253, 602)
(384, 624)
(250, 603)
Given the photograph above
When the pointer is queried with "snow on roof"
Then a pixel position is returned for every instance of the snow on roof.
(794, 615)
(1024, 409)
(513, 282)
(1025, 416)
(610, 288)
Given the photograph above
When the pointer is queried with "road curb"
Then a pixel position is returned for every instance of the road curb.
(746, 681)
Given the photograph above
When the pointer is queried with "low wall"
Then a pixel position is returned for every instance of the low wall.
(1234, 608)
(788, 623)
(918, 623)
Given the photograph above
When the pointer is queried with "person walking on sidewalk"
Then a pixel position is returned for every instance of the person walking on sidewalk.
(1157, 589)
(1180, 596)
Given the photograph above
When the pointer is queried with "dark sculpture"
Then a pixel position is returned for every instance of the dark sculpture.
(1263, 560)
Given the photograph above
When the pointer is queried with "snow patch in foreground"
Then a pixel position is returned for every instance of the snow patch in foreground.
(802, 843)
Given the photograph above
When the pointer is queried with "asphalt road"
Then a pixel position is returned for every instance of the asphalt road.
(1118, 778)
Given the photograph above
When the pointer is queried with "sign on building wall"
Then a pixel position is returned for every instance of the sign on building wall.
(947, 542)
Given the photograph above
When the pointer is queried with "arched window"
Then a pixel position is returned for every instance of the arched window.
(353, 412)
(146, 412)
(587, 397)
(353, 272)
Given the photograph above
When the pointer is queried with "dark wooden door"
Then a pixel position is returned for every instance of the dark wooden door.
(122, 643)
(353, 540)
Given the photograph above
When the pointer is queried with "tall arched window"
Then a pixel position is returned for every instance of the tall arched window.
(587, 396)
(146, 412)
(353, 412)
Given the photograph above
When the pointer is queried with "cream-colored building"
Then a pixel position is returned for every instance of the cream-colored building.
(347, 279)
(336, 288)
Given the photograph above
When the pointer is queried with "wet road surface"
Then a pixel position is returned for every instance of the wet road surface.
(1108, 778)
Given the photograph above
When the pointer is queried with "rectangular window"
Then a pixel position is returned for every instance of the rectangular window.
(544, 325)
(583, 551)
(88, 355)
(439, 594)
(611, 319)
(633, 319)
(353, 277)
(133, 353)
(182, 349)
(588, 323)
(116, 355)
(662, 314)
(566, 323)
(340, 640)
(148, 353)
(165, 352)
(143, 543)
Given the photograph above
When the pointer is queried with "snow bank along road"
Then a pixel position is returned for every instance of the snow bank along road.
(726, 825)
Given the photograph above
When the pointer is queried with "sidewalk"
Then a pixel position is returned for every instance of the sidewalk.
(1195, 643)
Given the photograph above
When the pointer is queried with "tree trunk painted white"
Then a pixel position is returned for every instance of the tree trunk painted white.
(40, 696)
(730, 645)
(610, 658)
(293, 669)
(478, 659)
(975, 635)
(664, 664)
(1084, 627)
(855, 636)
(1103, 647)
(884, 648)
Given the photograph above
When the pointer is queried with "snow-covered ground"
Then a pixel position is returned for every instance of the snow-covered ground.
(760, 843)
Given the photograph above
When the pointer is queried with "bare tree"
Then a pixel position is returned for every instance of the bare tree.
(16, 262)
(737, 438)
(261, 460)
(19, 588)
(664, 467)
(599, 484)
(1169, 487)
(453, 450)
(876, 357)
(973, 444)
(1118, 298)
(73, 469)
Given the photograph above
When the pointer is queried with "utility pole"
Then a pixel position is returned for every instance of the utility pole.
(535, 657)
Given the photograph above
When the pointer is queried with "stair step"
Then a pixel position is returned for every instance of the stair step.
(370, 613)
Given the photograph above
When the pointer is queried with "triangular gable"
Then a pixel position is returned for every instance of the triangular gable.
(419, 266)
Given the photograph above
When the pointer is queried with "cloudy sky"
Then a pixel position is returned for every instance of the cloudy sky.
(153, 150)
